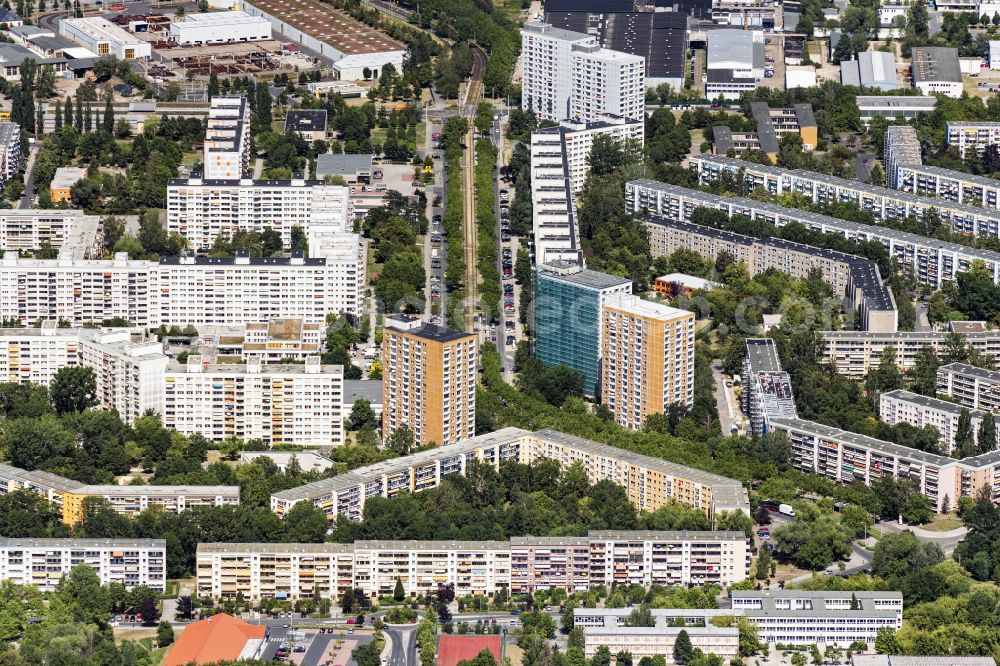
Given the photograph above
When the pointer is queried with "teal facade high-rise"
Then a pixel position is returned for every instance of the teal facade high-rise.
(567, 316)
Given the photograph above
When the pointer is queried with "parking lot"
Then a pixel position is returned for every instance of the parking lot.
(313, 647)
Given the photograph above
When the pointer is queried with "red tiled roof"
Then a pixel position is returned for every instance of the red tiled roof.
(217, 638)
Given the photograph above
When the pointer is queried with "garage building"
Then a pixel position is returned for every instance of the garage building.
(219, 28)
(103, 37)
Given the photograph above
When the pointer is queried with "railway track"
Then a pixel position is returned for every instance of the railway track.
(473, 94)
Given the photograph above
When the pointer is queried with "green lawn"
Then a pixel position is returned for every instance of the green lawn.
(943, 523)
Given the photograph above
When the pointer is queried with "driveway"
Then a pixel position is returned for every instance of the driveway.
(403, 640)
(728, 407)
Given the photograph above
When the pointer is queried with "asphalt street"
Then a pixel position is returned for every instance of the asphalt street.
(403, 644)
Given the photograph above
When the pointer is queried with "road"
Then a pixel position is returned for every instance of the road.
(922, 324)
(28, 197)
(947, 540)
(403, 641)
(729, 410)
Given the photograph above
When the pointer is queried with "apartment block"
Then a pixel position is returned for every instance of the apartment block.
(933, 262)
(647, 358)
(10, 152)
(553, 212)
(970, 386)
(35, 355)
(767, 389)
(855, 353)
(967, 136)
(429, 381)
(33, 229)
(297, 404)
(44, 562)
(68, 495)
(649, 482)
(902, 148)
(668, 558)
(204, 210)
(567, 74)
(921, 411)
(567, 317)
(962, 188)
(542, 563)
(227, 138)
(201, 291)
(129, 375)
(478, 568)
(670, 207)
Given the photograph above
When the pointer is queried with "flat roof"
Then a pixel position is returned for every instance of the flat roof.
(329, 25)
(216, 19)
(730, 45)
(68, 176)
(667, 535)
(970, 371)
(432, 332)
(305, 120)
(923, 102)
(549, 30)
(572, 273)
(159, 491)
(762, 354)
(936, 64)
(366, 389)
(932, 403)
(113, 544)
(339, 164)
(101, 29)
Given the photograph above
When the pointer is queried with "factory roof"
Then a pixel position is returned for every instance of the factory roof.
(872, 69)
(101, 29)
(218, 19)
(936, 64)
(328, 25)
(731, 45)
(924, 102)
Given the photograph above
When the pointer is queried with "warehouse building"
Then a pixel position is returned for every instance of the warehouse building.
(872, 69)
(104, 38)
(218, 28)
(936, 70)
(350, 45)
(44, 562)
(735, 62)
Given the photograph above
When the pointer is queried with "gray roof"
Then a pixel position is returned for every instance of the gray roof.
(728, 45)
(368, 389)
(897, 660)
(872, 69)
(330, 164)
(762, 355)
(896, 101)
(967, 370)
(563, 271)
(29, 542)
(540, 27)
(936, 63)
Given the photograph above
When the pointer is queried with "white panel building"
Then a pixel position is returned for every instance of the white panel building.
(219, 28)
(44, 562)
(227, 138)
(103, 37)
(567, 74)
(32, 228)
(203, 210)
(129, 375)
(921, 411)
(277, 404)
(182, 290)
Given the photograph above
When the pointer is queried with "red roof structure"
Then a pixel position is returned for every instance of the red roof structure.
(453, 649)
(221, 637)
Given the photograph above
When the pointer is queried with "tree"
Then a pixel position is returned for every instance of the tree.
(400, 441)
(305, 523)
(164, 634)
(348, 601)
(362, 415)
(886, 641)
(964, 443)
(150, 611)
(73, 389)
(608, 154)
(763, 571)
(398, 593)
(987, 437)
(886, 377)
(923, 376)
(856, 519)
(683, 650)
(37, 443)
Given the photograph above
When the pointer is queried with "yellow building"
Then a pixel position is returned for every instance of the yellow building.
(647, 358)
(64, 179)
(428, 381)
